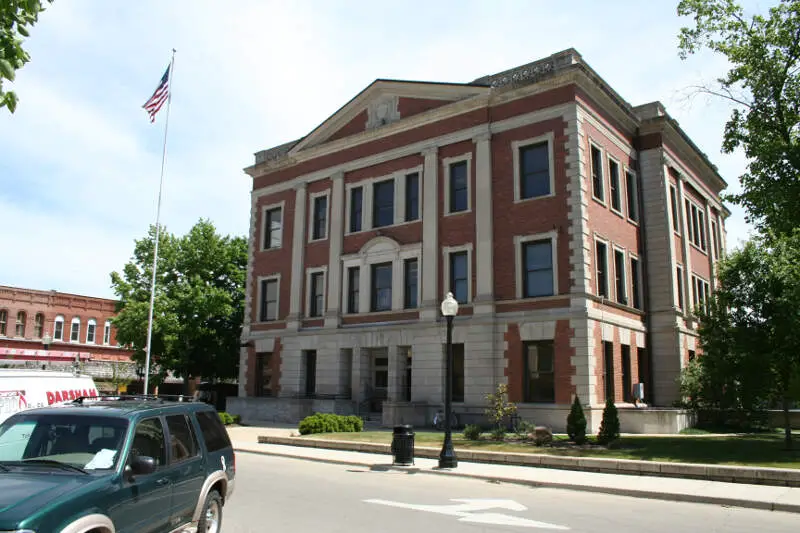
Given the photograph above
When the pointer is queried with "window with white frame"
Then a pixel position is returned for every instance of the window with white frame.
(601, 267)
(457, 197)
(715, 239)
(273, 227)
(412, 197)
(319, 216)
(615, 189)
(75, 330)
(91, 327)
(269, 293)
(632, 195)
(536, 265)
(700, 292)
(381, 287)
(316, 292)
(383, 203)
(107, 333)
(636, 283)
(356, 209)
(38, 325)
(533, 167)
(410, 283)
(353, 289)
(620, 280)
(695, 222)
(21, 320)
(58, 328)
(598, 186)
(3, 321)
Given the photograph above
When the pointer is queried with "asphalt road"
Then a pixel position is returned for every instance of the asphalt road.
(275, 494)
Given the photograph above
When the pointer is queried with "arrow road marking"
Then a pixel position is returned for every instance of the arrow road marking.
(466, 511)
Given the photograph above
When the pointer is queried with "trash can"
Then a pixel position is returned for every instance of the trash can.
(403, 445)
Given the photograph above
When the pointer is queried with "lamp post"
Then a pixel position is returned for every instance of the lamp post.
(447, 458)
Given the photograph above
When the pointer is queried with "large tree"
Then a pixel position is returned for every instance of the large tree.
(199, 302)
(763, 84)
(16, 17)
(750, 331)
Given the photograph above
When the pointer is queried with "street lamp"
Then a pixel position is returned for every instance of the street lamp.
(447, 458)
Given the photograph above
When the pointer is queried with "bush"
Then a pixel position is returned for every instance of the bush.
(499, 433)
(225, 418)
(499, 407)
(524, 429)
(237, 419)
(609, 427)
(330, 423)
(472, 432)
(576, 422)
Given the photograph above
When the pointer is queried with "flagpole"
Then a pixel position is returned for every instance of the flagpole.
(158, 230)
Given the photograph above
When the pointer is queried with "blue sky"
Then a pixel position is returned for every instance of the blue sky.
(80, 161)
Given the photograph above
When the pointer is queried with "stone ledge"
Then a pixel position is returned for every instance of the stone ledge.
(781, 477)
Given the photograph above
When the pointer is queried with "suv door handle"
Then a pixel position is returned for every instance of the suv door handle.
(162, 481)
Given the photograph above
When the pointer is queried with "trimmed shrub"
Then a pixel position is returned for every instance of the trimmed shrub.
(609, 427)
(330, 423)
(472, 432)
(576, 422)
(225, 418)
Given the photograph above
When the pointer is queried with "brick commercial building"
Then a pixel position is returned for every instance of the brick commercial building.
(56, 331)
(575, 230)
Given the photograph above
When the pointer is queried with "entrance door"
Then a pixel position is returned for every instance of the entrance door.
(311, 373)
(380, 377)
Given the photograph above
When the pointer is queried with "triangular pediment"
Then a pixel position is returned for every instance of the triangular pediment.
(385, 102)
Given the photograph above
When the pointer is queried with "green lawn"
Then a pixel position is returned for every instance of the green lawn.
(765, 449)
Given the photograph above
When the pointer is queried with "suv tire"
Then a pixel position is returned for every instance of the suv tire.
(211, 517)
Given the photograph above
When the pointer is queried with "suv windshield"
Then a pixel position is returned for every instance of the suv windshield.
(87, 442)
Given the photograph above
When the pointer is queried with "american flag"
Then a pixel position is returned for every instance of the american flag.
(161, 94)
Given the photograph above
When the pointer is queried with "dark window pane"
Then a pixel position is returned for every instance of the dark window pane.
(458, 187)
(538, 269)
(382, 287)
(213, 431)
(412, 197)
(317, 287)
(353, 294)
(633, 197)
(383, 204)
(320, 217)
(356, 206)
(601, 258)
(597, 174)
(411, 281)
(616, 197)
(539, 371)
(534, 170)
(148, 441)
(272, 230)
(458, 276)
(181, 438)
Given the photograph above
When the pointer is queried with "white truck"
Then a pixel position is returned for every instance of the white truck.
(22, 389)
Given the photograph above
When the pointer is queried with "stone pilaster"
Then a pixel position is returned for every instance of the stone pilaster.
(484, 272)
(298, 259)
(335, 252)
(430, 230)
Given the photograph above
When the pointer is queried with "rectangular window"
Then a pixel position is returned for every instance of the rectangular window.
(90, 329)
(608, 361)
(214, 434)
(458, 187)
(383, 204)
(616, 193)
(273, 224)
(20, 329)
(382, 287)
(269, 300)
(353, 289)
(601, 261)
(75, 333)
(695, 220)
(673, 196)
(412, 197)
(627, 385)
(641, 367)
(537, 257)
(540, 383)
(4, 321)
(458, 372)
(636, 287)
(38, 325)
(679, 274)
(700, 292)
(597, 174)
(183, 443)
(320, 227)
(619, 277)
(411, 275)
(632, 189)
(317, 294)
(534, 170)
(356, 208)
(310, 371)
(107, 333)
(58, 330)
(714, 241)
(459, 276)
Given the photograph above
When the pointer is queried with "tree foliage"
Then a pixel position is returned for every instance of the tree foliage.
(199, 302)
(764, 86)
(16, 18)
(750, 331)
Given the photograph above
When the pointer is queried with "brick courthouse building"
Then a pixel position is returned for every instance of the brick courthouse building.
(575, 230)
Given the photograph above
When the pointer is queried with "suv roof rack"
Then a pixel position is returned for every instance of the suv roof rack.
(131, 397)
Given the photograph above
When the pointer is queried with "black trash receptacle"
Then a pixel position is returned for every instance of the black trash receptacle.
(403, 445)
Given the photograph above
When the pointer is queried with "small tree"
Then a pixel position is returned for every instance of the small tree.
(576, 422)
(499, 407)
(609, 427)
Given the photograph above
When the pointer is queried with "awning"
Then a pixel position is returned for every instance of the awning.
(41, 355)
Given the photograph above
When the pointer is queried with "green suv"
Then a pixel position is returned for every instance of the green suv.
(136, 464)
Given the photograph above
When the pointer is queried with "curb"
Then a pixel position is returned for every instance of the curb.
(635, 493)
(778, 477)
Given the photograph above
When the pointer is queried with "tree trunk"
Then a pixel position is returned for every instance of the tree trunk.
(786, 422)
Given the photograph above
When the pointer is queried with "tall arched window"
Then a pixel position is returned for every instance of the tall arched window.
(58, 328)
(107, 333)
(75, 330)
(21, 317)
(3, 321)
(90, 330)
(38, 325)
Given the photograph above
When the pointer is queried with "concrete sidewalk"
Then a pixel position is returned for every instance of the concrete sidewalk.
(245, 439)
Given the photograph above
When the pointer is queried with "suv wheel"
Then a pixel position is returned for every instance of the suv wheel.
(211, 517)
